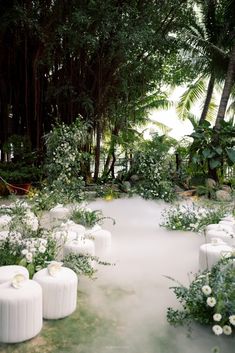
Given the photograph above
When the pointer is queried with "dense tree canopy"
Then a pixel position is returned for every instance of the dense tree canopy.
(59, 59)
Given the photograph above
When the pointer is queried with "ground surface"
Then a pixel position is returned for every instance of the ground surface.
(124, 310)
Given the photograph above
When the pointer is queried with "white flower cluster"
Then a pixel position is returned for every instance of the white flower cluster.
(31, 221)
(33, 247)
(217, 317)
(4, 222)
(190, 217)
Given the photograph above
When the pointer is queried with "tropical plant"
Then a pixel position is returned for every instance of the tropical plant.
(211, 157)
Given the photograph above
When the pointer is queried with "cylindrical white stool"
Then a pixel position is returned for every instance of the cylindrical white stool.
(211, 253)
(59, 292)
(58, 214)
(221, 234)
(21, 311)
(73, 227)
(102, 239)
(213, 226)
(80, 246)
(8, 272)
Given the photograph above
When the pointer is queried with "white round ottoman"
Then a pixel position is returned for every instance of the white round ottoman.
(213, 226)
(73, 227)
(102, 239)
(80, 246)
(221, 234)
(58, 214)
(211, 253)
(21, 311)
(8, 272)
(59, 292)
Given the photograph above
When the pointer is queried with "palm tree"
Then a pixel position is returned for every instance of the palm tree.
(208, 38)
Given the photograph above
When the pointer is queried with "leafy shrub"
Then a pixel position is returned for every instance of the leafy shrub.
(152, 165)
(192, 217)
(65, 158)
(209, 300)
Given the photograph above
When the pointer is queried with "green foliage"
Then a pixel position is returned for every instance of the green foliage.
(20, 173)
(192, 217)
(209, 300)
(152, 164)
(211, 149)
(87, 218)
(82, 264)
(64, 162)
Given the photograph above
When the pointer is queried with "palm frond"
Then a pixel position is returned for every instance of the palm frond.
(194, 92)
(162, 127)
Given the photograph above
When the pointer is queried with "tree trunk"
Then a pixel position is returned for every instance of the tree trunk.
(229, 81)
(209, 93)
(97, 149)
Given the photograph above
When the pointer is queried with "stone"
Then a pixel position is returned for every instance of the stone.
(222, 195)
(211, 183)
(134, 178)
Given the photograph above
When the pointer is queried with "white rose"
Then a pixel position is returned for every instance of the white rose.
(232, 319)
(206, 290)
(217, 317)
(211, 301)
(217, 329)
(24, 252)
(227, 330)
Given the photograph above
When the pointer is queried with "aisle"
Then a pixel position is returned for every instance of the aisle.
(135, 292)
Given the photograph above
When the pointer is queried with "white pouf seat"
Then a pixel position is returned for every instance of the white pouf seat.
(81, 246)
(73, 227)
(221, 234)
(8, 272)
(58, 214)
(21, 311)
(102, 239)
(211, 253)
(213, 226)
(59, 292)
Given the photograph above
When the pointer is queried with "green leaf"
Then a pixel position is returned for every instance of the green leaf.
(23, 263)
(218, 150)
(31, 269)
(214, 163)
(231, 154)
(206, 152)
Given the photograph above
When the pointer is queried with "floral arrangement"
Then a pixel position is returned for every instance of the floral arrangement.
(209, 300)
(191, 217)
(23, 242)
(151, 164)
(65, 160)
